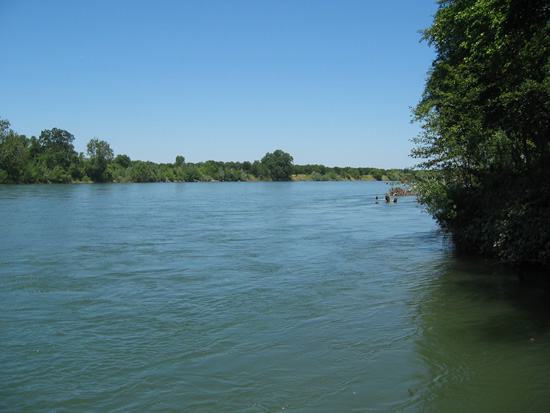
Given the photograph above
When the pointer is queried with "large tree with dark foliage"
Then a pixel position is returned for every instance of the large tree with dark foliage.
(56, 147)
(485, 114)
(279, 165)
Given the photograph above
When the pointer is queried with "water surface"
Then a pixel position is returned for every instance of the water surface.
(255, 297)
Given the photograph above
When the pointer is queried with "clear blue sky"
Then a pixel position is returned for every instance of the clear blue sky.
(328, 81)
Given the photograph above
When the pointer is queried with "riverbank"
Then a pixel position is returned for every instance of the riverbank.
(294, 178)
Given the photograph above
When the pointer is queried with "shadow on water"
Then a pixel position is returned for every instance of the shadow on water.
(485, 340)
(526, 288)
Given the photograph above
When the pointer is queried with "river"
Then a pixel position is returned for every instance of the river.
(255, 297)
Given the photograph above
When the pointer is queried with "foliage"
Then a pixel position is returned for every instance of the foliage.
(52, 159)
(279, 165)
(123, 161)
(100, 156)
(143, 172)
(180, 161)
(485, 115)
(55, 147)
(14, 154)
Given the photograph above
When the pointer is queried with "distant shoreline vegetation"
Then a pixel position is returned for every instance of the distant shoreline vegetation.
(51, 158)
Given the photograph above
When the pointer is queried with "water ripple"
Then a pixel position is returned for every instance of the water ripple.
(253, 297)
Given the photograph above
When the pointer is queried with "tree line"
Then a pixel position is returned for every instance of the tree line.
(485, 116)
(51, 158)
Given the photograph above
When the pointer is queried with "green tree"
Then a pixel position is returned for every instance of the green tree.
(14, 154)
(100, 156)
(259, 170)
(144, 172)
(123, 160)
(279, 165)
(56, 148)
(180, 161)
(192, 173)
(485, 115)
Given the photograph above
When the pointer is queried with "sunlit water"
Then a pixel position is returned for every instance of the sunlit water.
(255, 297)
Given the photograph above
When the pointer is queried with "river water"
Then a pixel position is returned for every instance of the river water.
(255, 297)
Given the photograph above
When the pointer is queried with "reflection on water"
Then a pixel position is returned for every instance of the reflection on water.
(485, 337)
(255, 297)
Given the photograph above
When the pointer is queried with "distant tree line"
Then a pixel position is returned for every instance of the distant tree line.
(51, 158)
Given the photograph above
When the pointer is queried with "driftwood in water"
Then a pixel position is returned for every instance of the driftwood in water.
(398, 191)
